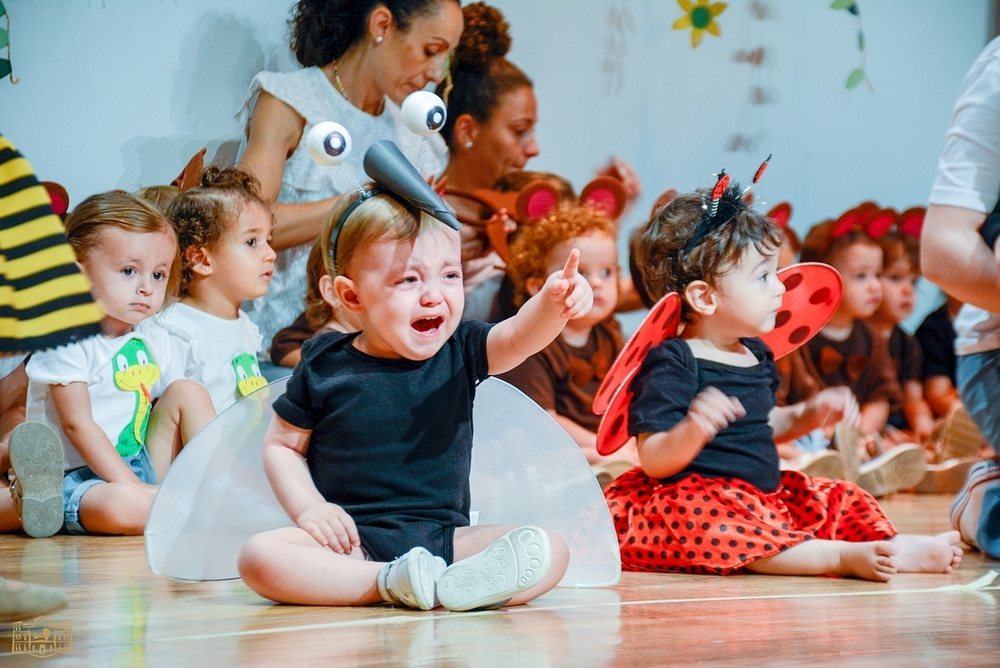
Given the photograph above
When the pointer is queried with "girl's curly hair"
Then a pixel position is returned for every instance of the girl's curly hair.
(201, 216)
(529, 253)
(666, 264)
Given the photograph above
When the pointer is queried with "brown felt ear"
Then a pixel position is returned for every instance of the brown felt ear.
(663, 200)
(58, 196)
(748, 198)
(847, 222)
(190, 176)
(606, 194)
(537, 200)
(497, 200)
(911, 221)
(880, 222)
(781, 214)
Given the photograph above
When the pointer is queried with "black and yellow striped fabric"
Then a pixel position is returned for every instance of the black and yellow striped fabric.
(44, 299)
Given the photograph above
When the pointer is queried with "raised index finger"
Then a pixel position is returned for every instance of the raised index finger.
(572, 264)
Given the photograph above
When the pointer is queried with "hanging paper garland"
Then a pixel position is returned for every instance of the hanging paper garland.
(858, 74)
(700, 17)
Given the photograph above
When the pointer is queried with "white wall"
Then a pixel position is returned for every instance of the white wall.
(119, 93)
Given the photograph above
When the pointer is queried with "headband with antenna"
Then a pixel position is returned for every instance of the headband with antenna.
(723, 203)
(330, 144)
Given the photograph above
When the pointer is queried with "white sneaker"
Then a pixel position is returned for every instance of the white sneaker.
(36, 456)
(901, 468)
(411, 579)
(513, 564)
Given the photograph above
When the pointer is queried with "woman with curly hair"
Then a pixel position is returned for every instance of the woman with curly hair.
(355, 55)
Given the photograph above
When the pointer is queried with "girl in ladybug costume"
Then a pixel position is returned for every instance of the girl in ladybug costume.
(709, 496)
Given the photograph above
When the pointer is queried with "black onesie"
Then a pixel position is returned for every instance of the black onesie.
(391, 439)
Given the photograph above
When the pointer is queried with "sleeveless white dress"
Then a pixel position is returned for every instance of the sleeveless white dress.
(313, 97)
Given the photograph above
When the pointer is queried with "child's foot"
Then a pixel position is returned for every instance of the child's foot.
(928, 554)
(410, 580)
(513, 564)
(36, 456)
(874, 560)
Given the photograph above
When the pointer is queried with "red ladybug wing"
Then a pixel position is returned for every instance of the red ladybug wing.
(612, 433)
(812, 295)
(661, 323)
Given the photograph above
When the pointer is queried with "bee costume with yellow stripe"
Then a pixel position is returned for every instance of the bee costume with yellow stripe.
(44, 299)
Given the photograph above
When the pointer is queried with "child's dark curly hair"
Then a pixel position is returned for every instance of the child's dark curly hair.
(480, 74)
(323, 30)
(529, 253)
(201, 216)
(659, 249)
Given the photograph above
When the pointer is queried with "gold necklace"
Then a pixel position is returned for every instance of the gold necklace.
(340, 88)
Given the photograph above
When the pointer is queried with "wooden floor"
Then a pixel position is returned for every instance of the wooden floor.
(121, 614)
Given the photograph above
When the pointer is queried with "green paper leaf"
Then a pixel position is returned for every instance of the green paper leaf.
(855, 78)
(861, 40)
(3, 10)
(5, 68)
(842, 4)
(4, 38)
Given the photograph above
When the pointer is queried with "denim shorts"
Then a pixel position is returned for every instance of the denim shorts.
(979, 385)
(78, 481)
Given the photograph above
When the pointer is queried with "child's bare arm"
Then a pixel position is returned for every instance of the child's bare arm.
(72, 404)
(918, 412)
(668, 452)
(874, 416)
(827, 407)
(284, 459)
(565, 295)
(941, 394)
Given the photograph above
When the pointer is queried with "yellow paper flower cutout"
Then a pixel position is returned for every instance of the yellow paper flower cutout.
(700, 17)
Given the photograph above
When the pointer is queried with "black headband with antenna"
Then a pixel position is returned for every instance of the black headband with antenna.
(394, 175)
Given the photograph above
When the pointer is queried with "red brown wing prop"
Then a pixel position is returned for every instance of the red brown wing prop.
(190, 176)
(659, 324)
(812, 295)
(612, 433)
(492, 202)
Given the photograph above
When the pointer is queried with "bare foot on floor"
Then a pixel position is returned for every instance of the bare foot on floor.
(928, 554)
(875, 560)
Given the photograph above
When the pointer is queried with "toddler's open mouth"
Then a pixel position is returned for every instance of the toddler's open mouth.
(428, 325)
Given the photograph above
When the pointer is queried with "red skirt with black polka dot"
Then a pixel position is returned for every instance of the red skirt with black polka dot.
(719, 525)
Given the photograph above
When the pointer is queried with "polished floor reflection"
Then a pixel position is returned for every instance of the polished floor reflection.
(121, 614)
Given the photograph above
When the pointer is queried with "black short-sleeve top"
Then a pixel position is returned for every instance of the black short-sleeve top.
(668, 382)
(389, 437)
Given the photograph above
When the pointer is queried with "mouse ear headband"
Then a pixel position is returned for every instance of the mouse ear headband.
(722, 204)
(190, 176)
(394, 175)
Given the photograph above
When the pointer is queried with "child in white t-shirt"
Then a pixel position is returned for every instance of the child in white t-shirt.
(223, 229)
(97, 395)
